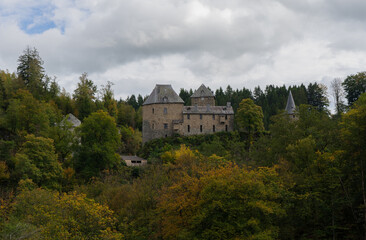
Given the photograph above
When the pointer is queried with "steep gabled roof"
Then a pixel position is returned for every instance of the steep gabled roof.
(290, 107)
(73, 120)
(202, 91)
(163, 94)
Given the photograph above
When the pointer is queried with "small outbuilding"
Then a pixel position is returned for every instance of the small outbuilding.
(134, 161)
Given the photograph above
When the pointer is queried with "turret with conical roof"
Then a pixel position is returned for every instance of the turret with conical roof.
(290, 106)
(160, 111)
(203, 97)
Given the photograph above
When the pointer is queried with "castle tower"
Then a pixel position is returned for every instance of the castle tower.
(161, 110)
(203, 97)
(290, 106)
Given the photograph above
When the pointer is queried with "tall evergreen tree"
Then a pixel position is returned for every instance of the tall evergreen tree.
(31, 71)
(109, 103)
(84, 96)
(317, 96)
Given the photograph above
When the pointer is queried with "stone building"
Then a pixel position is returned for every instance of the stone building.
(164, 114)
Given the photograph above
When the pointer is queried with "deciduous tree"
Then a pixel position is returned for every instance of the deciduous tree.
(99, 141)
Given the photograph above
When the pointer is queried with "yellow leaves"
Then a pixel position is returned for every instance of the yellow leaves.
(4, 172)
(221, 197)
(67, 216)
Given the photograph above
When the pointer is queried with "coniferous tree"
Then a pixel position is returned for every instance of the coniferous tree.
(109, 103)
(31, 71)
(84, 96)
(317, 96)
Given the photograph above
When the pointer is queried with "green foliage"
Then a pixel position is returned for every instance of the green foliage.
(317, 96)
(354, 86)
(99, 141)
(109, 103)
(131, 140)
(126, 115)
(249, 118)
(37, 160)
(65, 216)
(31, 72)
(25, 113)
(84, 97)
(222, 203)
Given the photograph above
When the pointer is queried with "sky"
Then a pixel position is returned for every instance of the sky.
(139, 43)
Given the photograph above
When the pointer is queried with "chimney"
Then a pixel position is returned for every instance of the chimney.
(228, 104)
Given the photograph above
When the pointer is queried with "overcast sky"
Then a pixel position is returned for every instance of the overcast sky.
(139, 43)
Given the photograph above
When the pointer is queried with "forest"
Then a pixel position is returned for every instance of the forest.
(274, 177)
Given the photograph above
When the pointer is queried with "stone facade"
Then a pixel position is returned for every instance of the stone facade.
(164, 115)
(157, 120)
(203, 101)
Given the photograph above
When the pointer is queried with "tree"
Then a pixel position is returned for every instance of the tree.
(131, 140)
(31, 71)
(25, 113)
(186, 96)
(109, 103)
(226, 202)
(64, 216)
(37, 160)
(338, 94)
(99, 141)
(354, 86)
(249, 118)
(140, 100)
(132, 101)
(317, 96)
(84, 96)
(353, 134)
(126, 115)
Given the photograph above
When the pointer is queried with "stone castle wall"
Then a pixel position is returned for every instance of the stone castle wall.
(158, 120)
(192, 125)
(203, 101)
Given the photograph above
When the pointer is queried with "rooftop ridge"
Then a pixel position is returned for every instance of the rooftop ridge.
(163, 93)
(202, 91)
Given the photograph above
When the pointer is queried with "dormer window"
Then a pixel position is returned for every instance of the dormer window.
(165, 99)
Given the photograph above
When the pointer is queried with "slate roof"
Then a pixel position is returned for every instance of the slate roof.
(73, 120)
(202, 91)
(290, 107)
(163, 94)
(208, 110)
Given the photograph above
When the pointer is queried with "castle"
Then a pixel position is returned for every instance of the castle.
(164, 114)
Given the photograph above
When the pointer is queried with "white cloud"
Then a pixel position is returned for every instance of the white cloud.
(139, 43)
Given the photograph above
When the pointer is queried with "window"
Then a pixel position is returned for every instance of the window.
(188, 116)
(201, 128)
(226, 128)
(165, 99)
(225, 117)
(165, 126)
(153, 126)
(213, 116)
(153, 110)
(188, 128)
(200, 116)
(165, 111)
(213, 128)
